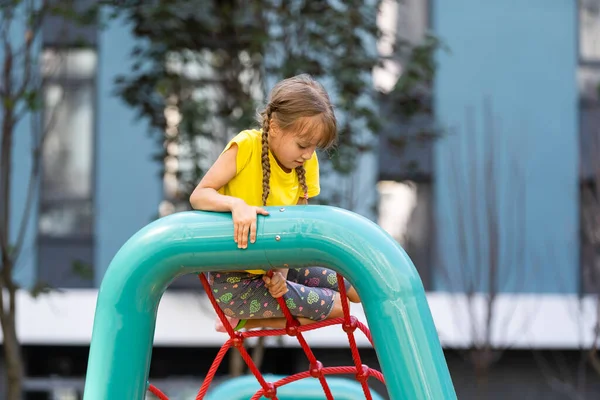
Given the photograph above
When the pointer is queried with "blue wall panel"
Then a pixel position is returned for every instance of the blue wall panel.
(520, 59)
(128, 185)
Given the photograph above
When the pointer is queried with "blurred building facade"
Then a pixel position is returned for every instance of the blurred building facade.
(496, 206)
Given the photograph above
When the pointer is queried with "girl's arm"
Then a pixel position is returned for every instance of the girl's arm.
(205, 196)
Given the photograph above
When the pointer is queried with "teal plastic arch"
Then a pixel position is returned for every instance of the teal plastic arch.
(392, 294)
(244, 387)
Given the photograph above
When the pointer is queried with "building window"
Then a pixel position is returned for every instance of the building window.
(589, 30)
(65, 229)
(65, 223)
(589, 116)
(67, 160)
(405, 212)
(405, 159)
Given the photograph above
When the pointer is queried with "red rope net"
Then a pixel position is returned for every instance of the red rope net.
(349, 324)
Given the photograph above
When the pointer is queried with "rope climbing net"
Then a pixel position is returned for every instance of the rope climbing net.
(236, 339)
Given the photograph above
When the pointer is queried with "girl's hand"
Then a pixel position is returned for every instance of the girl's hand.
(244, 222)
(277, 284)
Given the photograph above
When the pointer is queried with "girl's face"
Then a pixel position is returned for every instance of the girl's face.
(292, 149)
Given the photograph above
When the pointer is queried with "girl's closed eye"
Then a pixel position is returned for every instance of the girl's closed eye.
(302, 146)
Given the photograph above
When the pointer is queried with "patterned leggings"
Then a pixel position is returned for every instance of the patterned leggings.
(243, 295)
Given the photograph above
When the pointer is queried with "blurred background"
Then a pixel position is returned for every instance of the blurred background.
(469, 130)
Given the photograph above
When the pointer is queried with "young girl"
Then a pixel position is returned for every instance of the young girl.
(276, 166)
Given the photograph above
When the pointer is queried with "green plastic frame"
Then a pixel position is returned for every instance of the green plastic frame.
(392, 294)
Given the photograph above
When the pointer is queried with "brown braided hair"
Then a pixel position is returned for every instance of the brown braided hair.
(291, 102)
(301, 172)
(266, 165)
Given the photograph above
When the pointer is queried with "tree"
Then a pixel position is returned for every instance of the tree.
(21, 94)
(198, 77)
(487, 252)
(575, 383)
(580, 382)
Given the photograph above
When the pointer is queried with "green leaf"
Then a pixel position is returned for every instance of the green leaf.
(33, 100)
(40, 288)
(82, 270)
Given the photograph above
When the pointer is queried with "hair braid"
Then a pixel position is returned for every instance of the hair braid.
(301, 172)
(266, 165)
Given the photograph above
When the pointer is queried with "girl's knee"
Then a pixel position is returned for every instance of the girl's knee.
(337, 310)
(352, 295)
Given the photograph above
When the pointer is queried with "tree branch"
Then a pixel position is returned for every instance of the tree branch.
(30, 34)
(36, 155)
(6, 142)
(3, 315)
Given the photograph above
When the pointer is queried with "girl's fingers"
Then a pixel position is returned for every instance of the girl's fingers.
(253, 232)
(278, 291)
(236, 228)
(262, 211)
(240, 237)
(245, 236)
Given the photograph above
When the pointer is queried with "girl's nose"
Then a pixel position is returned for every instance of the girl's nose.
(307, 155)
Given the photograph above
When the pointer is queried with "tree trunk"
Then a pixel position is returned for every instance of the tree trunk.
(12, 352)
(236, 363)
(258, 354)
(12, 348)
(5, 178)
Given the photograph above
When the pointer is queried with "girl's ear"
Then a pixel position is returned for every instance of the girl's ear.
(273, 128)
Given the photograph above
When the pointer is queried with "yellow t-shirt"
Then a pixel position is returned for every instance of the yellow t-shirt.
(285, 190)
